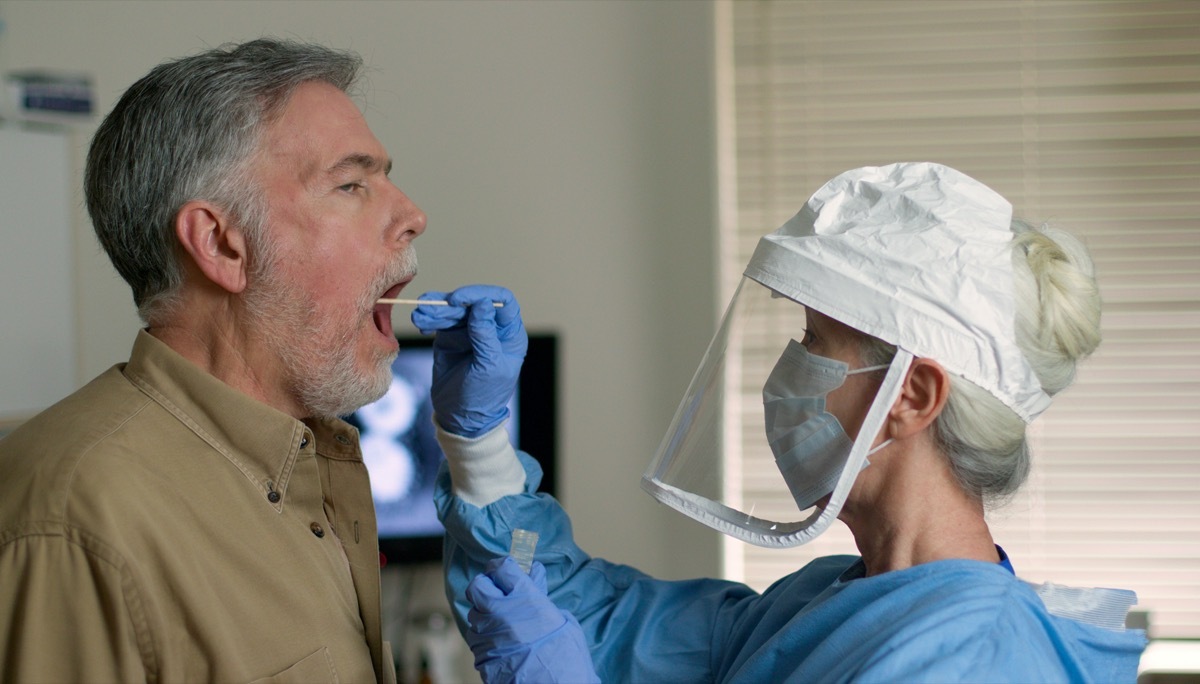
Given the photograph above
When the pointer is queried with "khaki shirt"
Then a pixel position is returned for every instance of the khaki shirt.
(158, 525)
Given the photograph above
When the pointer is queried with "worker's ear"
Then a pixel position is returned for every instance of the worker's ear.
(922, 398)
(216, 246)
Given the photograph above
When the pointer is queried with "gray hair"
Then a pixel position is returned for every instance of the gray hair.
(1057, 326)
(188, 130)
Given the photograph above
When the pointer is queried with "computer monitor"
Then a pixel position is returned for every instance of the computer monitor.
(403, 456)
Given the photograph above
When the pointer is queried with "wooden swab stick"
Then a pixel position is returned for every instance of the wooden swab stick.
(426, 302)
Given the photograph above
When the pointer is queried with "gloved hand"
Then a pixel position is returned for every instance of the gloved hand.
(517, 633)
(477, 356)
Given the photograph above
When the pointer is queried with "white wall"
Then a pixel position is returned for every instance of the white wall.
(564, 149)
(35, 369)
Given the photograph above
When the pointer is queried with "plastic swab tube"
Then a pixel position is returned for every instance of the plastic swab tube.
(426, 302)
(524, 543)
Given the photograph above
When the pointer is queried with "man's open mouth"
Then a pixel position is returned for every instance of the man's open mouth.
(382, 313)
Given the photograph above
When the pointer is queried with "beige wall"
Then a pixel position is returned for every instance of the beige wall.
(564, 149)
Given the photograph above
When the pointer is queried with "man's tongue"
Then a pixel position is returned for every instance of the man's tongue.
(383, 318)
(383, 312)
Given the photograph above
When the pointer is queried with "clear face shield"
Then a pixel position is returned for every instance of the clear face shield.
(803, 463)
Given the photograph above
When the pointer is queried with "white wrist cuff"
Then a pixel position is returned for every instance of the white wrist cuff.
(483, 469)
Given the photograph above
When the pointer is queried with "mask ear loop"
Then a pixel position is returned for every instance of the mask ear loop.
(889, 390)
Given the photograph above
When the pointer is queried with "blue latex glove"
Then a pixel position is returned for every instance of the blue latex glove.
(517, 633)
(477, 356)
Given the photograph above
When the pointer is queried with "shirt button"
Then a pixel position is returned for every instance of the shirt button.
(273, 497)
(316, 529)
(303, 442)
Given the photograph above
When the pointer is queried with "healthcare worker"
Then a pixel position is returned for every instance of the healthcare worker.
(915, 330)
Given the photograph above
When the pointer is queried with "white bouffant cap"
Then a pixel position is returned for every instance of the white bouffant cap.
(918, 255)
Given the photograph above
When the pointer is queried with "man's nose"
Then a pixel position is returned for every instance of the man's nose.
(410, 220)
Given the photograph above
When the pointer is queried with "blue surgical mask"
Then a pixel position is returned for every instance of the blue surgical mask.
(809, 443)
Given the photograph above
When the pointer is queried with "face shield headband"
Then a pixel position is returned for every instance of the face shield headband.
(696, 487)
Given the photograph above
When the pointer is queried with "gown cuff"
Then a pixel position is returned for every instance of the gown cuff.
(483, 469)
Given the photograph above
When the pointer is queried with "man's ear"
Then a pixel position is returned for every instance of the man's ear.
(922, 398)
(215, 245)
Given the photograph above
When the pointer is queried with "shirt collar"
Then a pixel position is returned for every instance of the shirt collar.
(261, 441)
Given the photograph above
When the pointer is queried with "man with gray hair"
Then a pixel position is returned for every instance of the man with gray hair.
(201, 512)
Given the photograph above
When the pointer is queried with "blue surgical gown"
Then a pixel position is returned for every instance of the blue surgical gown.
(946, 621)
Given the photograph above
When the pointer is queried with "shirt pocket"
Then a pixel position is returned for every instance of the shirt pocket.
(315, 667)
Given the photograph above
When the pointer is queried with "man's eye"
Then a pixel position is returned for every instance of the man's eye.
(807, 339)
(351, 187)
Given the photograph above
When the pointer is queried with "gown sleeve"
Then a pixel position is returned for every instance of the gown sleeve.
(637, 628)
(975, 639)
(962, 623)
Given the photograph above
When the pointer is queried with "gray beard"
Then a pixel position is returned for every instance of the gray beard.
(329, 384)
(318, 356)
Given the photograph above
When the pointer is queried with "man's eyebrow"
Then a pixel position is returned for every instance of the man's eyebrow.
(365, 162)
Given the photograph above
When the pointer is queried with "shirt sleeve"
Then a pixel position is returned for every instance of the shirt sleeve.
(637, 628)
(69, 616)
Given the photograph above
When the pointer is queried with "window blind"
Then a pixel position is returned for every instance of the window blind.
(1083, 113)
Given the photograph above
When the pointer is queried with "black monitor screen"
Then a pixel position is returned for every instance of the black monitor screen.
(403, 456)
